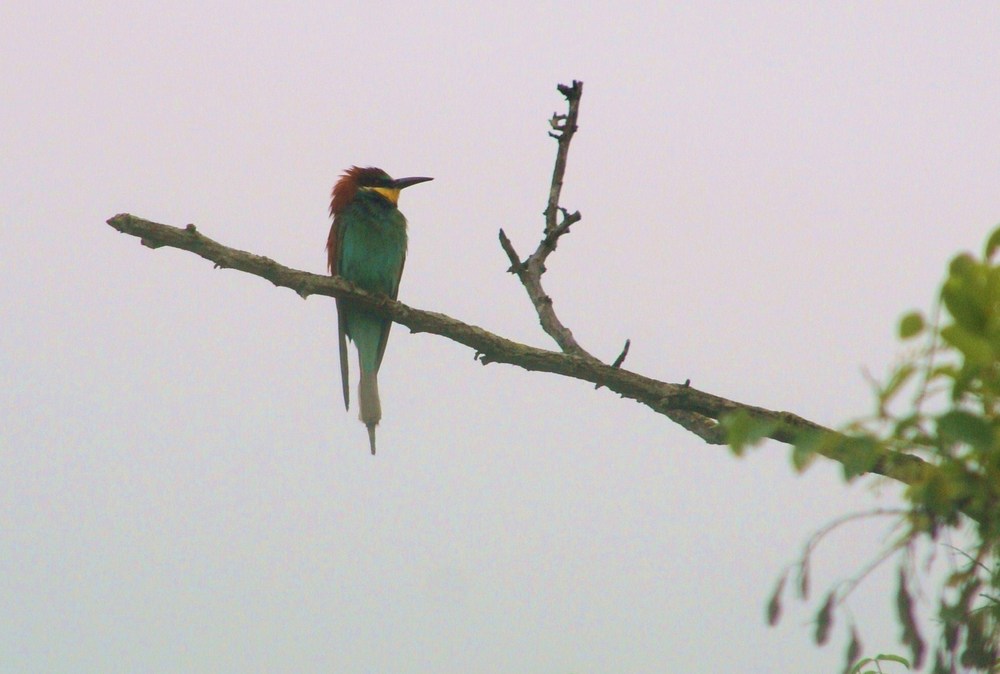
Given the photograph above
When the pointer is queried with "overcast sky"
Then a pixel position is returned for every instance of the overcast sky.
(764, 190)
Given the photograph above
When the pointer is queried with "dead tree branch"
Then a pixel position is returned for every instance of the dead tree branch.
(530, 271)
(695, 410)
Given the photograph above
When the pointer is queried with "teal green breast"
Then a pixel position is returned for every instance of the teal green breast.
(372, 255)
(374, 244)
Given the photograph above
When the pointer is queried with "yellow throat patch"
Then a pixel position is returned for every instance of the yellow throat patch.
(390, 193)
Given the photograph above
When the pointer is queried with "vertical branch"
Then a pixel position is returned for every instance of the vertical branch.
(530, 270)
(564, 127)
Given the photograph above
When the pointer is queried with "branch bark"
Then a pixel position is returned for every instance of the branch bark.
(530, 271)
(695, 410)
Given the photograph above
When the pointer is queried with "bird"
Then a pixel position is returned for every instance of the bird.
(366, 246)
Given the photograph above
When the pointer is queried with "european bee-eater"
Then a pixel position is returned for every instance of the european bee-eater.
(366, 246)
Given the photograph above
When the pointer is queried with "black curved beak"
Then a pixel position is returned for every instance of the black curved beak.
(400, 183)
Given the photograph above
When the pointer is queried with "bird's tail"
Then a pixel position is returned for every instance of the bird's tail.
(371, 408)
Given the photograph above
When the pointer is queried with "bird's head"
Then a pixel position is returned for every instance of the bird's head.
(372, 179)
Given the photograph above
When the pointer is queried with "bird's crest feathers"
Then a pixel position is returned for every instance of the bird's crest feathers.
(356, 178)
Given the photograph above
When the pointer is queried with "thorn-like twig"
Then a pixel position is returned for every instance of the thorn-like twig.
(619, 360)
(552, 236)
(621, 357)
(516, 266)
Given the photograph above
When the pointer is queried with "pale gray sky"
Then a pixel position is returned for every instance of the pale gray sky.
(765, 189)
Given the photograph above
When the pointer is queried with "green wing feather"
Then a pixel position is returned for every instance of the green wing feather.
(334, 250)
(367, 246)
(388, 324)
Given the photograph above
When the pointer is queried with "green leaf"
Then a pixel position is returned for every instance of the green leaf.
(911, 325)
(885, 657)
(802, 458)
(992, 244)
(824, 620)
(853, 650)
(774, 606)
(962, 266)
(859, 455)
(896, 382)
(857, 667)
(976, 349)
(993, 285)
(965, 293)
(743, 430)
(911, 634)
(808, 444)
(906, 425)
(804, 578)
(961, 426)
(946, 371)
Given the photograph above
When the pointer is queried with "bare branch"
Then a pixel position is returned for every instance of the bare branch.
(530, 271)
(565, 127)
(516, 266)
(552, 236)
(621, 357)
(695, 410)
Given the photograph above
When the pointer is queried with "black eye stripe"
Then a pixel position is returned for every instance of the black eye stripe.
(376, 181)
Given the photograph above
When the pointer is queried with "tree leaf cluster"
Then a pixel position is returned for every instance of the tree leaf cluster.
(941, 403)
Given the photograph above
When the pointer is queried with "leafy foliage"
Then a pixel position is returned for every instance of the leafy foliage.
(941, 405)
(877, 661)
